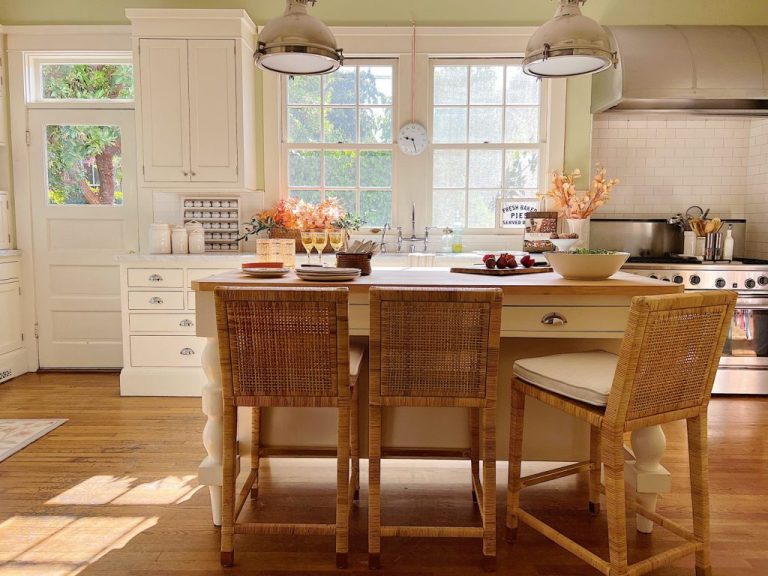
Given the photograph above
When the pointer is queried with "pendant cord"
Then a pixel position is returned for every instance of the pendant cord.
(413, 69)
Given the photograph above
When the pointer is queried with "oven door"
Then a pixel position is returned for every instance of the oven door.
(747, 343)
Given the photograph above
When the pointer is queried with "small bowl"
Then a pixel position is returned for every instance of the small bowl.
(572, 266)
(254, 265)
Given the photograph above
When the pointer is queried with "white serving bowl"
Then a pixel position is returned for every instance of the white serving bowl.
(573, 266)
(563, 244)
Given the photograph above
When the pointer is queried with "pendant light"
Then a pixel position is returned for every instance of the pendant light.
(297, 43)
(569, 44)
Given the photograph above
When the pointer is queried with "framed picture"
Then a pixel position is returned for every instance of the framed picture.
(511, 211)
(538, 229)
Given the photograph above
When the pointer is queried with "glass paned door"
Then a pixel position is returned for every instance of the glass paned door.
(84, 164)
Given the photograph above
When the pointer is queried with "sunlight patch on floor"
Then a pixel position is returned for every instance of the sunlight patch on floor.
(102, 490)
(63, 545)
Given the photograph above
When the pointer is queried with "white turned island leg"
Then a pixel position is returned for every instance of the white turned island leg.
(209, 473)
(645, 473)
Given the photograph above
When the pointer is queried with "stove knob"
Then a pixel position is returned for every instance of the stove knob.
(695, 279)
(762, 280)
(677, 279)
(750, 283)
(720, 283)
(653, 276)
(665, 279)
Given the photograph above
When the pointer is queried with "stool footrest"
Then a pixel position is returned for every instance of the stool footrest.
(433, 531)
(554, 474)
(286, 529)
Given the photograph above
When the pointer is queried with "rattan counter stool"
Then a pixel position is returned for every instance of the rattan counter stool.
(664, 372)
(286, 347)
(435, 348)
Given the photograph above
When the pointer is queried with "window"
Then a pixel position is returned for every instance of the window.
(338, 138)
(488, 129)
(80, 78)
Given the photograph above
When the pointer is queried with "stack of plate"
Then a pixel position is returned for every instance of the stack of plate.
(266, 272)
(318, 274)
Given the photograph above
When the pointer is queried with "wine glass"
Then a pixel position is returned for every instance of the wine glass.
(307, 240)
(320, 240)
(336, 238)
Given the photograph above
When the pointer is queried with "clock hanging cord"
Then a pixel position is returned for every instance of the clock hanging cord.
(413, 69)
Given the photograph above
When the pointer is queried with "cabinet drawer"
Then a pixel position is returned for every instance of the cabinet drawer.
(158, 277)
(559, 319)
(162, 323)
(166, 350)
(9, 270)
(148, 300)
(191, 300)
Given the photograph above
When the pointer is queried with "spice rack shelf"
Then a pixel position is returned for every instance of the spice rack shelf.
(220, 218)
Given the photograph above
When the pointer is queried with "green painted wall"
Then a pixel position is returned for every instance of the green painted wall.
(423, 13)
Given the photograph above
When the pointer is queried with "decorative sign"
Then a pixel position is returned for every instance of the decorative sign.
(512, 212)
(539, 227)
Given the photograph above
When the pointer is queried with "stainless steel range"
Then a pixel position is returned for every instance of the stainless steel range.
(744, 365)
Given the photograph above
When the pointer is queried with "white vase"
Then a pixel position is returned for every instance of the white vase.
(579, 226)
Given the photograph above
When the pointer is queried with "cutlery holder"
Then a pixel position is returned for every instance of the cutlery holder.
(350, 260)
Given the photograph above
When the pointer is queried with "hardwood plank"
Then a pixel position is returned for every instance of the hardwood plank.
(114, 492)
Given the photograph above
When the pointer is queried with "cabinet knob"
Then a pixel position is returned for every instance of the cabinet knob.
(155, 300)
(554, 319)
(193, 173)
(186, 323)
(185, 173)
(187, 352)
(155, 278)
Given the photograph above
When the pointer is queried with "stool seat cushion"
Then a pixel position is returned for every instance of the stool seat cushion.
(583, 376)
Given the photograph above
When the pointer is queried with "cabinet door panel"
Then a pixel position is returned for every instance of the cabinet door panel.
(10, 312)
(213, 110)
(5, 216)
(165, 110)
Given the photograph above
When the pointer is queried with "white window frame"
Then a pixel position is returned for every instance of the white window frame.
(412, 175)
(34, 62)
(356, 146)
(541, 146)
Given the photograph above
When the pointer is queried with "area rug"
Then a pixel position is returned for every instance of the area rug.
(16, 434)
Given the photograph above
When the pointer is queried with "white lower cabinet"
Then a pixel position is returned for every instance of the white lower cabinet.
(12, 353)
(161, 354)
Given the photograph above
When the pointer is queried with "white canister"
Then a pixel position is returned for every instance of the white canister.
(196, 241)
(159, 239)
(179, 240)
(689, 243)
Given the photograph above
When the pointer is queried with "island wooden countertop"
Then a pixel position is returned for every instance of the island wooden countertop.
(547, 283)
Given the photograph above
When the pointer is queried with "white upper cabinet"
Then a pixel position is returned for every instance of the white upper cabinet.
(196, 103)
(189, 110)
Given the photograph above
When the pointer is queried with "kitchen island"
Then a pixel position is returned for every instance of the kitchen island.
(542, 314)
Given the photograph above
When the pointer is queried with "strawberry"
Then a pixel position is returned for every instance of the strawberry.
(488, 257)
(490, 263)
(527, 261)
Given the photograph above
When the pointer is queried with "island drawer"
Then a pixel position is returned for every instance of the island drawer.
(148, 300)
(157, 277)
(563, 319)
(9, 270)
(166, 350)
(162, 323)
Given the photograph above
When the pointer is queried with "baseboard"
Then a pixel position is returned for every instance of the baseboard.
(13, 364)
(162, 381)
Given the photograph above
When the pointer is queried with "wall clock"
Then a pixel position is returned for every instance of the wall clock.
(412, 139)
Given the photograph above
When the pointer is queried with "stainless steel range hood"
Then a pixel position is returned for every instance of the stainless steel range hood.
(698, 69)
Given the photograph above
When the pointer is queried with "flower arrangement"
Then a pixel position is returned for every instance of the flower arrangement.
(580, 205)
(295, 214)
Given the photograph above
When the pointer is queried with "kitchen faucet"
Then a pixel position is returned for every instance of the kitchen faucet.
(413, 239)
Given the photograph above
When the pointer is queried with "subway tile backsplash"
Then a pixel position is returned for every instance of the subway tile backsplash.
(669, 162)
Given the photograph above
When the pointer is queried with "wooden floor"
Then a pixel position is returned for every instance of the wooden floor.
(114, 492)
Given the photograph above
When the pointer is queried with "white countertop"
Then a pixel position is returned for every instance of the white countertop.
(217, 257)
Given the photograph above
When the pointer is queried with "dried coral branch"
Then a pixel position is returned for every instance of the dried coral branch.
(572, 204)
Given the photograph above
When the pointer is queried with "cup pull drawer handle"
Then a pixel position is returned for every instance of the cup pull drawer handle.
(553, 319)
(186, 323)
(187, 352)
(155, 278)
(155, 300)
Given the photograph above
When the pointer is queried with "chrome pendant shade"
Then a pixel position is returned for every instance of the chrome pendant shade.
(297, 43)
(570, 44)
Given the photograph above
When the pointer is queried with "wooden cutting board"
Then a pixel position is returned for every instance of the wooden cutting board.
(501, 272)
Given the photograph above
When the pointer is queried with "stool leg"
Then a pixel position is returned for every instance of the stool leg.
(374, 486)
(342, 485)
(613, 460)
(489, 489)
(474, 448)
(594, 470)
(354, 427)
(229, 428)
(255, 448)
(697, 455)
(515, 460)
